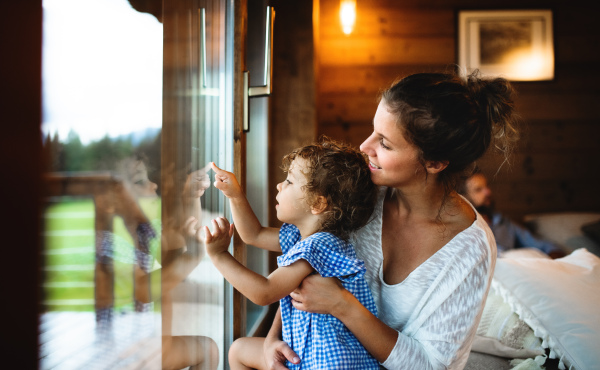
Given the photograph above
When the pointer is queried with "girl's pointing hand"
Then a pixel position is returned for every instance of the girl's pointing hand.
(226, 182)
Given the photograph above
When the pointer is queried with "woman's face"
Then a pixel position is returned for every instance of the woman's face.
(394, 162)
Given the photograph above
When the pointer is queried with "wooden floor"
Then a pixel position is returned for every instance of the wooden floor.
(74, 340)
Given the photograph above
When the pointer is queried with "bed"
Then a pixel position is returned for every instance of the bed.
(543, 313)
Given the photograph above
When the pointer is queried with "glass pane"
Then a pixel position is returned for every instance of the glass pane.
(197, 129)
(128, 128)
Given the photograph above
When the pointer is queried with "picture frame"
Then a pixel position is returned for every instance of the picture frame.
(514, 44)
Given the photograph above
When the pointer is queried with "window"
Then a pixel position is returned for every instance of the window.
(135, 103)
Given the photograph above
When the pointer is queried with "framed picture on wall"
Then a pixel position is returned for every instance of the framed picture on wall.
(515, 44)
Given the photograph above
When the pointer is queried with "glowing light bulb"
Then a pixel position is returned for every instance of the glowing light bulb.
(347, 15)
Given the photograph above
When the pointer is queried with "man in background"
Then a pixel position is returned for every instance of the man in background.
(509, 235)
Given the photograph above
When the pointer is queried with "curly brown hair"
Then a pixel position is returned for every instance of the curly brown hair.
(341, 174)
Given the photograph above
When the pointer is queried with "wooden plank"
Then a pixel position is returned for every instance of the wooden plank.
(387, 50)
(334, 108)
(582, 18)
(545, 166)
(238, 304)
(572, 48)
(393, 21)
(368, 79)
(79, 184)
(350, 134)
(329, 6)
(572, 77)
(558, 106)
(559, 135)
(517, 199)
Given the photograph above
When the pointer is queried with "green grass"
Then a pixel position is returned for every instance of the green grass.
(69, 256)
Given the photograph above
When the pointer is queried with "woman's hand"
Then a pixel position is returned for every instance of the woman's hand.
(226, 182)
(217, 241)
(277, 352)
(317, 294)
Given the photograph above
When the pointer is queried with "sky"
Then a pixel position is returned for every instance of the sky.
(101, 69)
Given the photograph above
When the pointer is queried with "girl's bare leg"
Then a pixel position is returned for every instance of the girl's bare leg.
(247, 353)
(182, 351)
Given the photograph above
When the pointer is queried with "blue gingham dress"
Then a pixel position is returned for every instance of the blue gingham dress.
(322, 341)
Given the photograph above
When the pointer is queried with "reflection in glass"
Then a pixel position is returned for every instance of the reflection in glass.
(125, 284)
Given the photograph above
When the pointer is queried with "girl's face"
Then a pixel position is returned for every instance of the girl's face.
(140, 184)
(292, 207)
(394, 162)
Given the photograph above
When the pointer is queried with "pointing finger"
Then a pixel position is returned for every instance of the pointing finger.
(207, 167)
(214, 167)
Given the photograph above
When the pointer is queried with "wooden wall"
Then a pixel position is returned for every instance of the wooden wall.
(293, 119)
(555, 166)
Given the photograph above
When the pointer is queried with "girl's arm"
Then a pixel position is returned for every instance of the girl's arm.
(259, 289)
(247, 224)
(195, 185)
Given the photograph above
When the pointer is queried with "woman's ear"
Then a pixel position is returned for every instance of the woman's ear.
(434, 167)
(319, 206)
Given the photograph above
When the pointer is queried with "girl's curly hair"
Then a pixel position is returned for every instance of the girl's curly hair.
(341, 174)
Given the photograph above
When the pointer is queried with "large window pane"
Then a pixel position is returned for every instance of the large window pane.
(127, 133)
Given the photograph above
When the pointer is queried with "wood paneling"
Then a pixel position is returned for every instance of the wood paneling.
(367, 80)
(293, 112)
(555, 164)
(380, 21)
(386, 50)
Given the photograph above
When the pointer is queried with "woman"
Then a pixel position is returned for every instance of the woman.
(429, 256)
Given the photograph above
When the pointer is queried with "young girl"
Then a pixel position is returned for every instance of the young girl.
(328, 194)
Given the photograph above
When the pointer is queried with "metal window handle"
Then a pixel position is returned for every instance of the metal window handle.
(204, 89)
(266, 88)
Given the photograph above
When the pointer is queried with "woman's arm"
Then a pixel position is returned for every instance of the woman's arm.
(259, 289)
(247, 224)
(326, 295)
(440, 336)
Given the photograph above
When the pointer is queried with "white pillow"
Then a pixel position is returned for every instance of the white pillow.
(560, 227)
(501, 332)
(559, 300)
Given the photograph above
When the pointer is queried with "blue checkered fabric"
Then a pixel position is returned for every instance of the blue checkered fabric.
(322, 341)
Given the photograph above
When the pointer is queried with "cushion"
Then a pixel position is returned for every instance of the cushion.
(479, 361)
(502, 333)
(559, 300)
(524, 253)
(563, 228)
